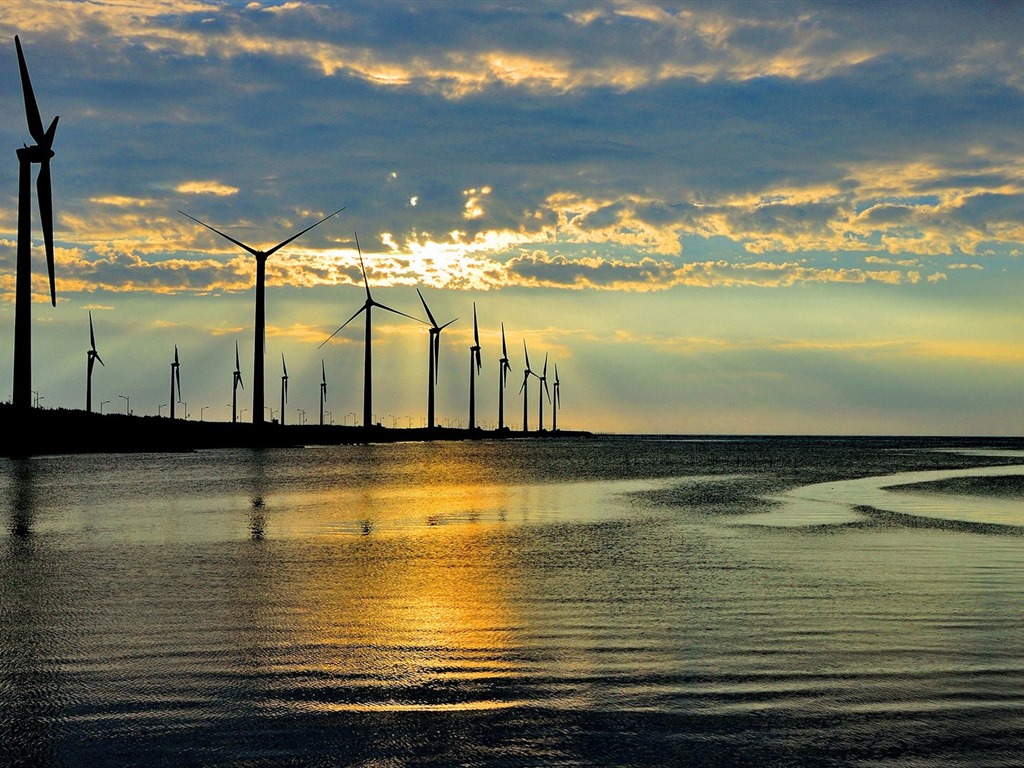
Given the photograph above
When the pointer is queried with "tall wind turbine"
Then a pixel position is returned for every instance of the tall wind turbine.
(259, 345)
(542, 389)
(323, 389)
(175, 380)
(93, 357)
(523, 389)
(284, 387)
(40, 153)
(557, 402)
(236, 382)
(503, 371)
(434, 354)
(368, 305)
(474, 357)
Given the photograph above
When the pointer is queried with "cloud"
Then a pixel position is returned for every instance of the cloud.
(205, 188)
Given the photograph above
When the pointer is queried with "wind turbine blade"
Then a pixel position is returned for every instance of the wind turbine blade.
(237, 365)
(284, 368)
(176, 355)
(239, 243)
(361, 309)
(397, 312)
(556, 373)
(504, 349)
(300, 234)
(35, 124)
(433, 322)
(92, 336)
(526, 378)
(362, 266)
(526, 355)
(447, 324)
(476, 329)
(546, 390)
(544, 373)
(323, 373)
(97, 356)
(479, 362)
(46, 219)
(177, 376)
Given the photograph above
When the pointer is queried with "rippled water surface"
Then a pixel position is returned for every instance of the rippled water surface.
(610, 601)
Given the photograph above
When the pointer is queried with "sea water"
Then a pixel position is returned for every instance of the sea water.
(605, 601)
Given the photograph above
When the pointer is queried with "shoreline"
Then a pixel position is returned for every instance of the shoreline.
(39, 432)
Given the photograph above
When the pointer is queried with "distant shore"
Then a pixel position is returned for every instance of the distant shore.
(55, 431)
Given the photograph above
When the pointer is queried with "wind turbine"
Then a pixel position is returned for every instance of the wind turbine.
(236, 382)
(542, 389)
(259, 345)
(323, 389)
(435, 351)
(474, 356)
(523, 390)
(503, 371)
(40, 153)
(557, 403)
(284, 387)
(368, 305)
(93, 357)
(175, 380)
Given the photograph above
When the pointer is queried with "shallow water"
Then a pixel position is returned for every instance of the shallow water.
(595, 602)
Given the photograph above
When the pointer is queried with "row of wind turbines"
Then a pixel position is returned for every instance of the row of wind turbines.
(42, 152)
(552, 394)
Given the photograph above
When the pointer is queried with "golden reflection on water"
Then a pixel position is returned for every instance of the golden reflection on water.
(406, 605)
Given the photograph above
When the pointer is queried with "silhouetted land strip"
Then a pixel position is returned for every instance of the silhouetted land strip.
(36, 431)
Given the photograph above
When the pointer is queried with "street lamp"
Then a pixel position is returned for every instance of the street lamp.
(102, 403)
(159, 409)
(201, 409)
(127, 404)
(302, 416)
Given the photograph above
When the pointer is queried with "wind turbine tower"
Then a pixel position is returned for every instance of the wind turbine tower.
(40, 153)
(474, 357)
(557, 403)
(323, 389)
(284, 387)
(503, 370)
(368, 305)
(175, 381)
(94, 356)
(434, 353)
(523, 390)
(236, 382)
(259, 344)
(542, 389)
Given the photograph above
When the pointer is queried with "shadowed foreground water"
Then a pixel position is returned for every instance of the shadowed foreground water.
(595, 602)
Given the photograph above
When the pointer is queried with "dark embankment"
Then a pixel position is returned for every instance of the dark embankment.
(44, 431)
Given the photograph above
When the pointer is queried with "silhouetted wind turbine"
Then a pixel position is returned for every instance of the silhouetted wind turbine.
(557, 403)
(368, 305)
(236, 382)
(542, 389)
(284, 387)
(261, 312)
(323, 389)
(503, 371)
(40, 153)
(523, 389)
(93, 357)
(474, 356)
(434, 354)
(175, 380)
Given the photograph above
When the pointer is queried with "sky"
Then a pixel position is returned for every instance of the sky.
(735, 218)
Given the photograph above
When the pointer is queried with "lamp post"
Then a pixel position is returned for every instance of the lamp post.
(102, 403)
(159, 409)
(127, 404)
